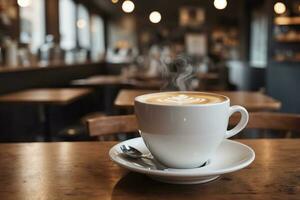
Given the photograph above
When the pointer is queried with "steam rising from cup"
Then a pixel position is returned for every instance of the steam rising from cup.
(178, 74)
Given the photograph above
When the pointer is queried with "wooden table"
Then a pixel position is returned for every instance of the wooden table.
(201, 75)
(103, 80)
(208, 75)
(83, 170)
(43, 98)
(253, 101)
(60, 96)
(136, 81)
(99, 80)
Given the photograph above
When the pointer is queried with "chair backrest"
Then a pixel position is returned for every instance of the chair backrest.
(105, 125)
(271, 121)
(257, 120)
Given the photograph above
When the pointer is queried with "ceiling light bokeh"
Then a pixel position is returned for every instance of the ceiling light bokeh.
(24, 3)
(279, 8)
(220, 4)
(114, 1)
(128, 6)
(155, 17)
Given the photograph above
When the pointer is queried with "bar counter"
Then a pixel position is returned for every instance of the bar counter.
(39, 66)
(19, 78)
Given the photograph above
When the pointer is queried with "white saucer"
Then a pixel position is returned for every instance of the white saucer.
(229, 157)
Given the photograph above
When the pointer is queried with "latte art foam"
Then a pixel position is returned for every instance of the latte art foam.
(183, 98)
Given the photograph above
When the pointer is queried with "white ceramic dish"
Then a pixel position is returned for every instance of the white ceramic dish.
(229, 157)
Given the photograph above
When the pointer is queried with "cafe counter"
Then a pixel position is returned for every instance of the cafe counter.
(55, 75)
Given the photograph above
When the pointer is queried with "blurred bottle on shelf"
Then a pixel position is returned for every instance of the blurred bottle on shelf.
(81, 55)
(11, 52)
(24, 55)
(50, 52)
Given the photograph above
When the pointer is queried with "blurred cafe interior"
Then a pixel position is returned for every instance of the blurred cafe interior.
(64, 62)
(79, 120)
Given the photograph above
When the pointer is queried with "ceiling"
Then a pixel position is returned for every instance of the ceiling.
(169, 9)
(105, 5)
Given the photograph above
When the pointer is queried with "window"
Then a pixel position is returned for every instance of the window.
(97, 37)
(67, 24)
(83, 27)
(32, 24)
(259, 38)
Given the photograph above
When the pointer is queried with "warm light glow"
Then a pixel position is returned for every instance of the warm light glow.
(81, 23)
(279, 8)
(220, 4)
(128, 6)
(114, 1)
(24, 3)
(155, 17)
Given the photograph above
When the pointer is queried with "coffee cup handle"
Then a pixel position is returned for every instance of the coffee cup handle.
(242, 123)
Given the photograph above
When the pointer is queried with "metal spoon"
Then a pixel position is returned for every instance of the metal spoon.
(132, 152)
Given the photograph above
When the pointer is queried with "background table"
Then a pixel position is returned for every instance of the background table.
(104, 80)
(83, 170)
(252, 101)
(99, 80)
(60, 96)
(44, 98)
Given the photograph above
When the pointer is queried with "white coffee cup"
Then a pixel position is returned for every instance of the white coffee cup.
(185, 136)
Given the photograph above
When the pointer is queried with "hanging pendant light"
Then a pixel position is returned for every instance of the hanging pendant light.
(128, 6)
(155, 17)
(220, 4)
(279, 8)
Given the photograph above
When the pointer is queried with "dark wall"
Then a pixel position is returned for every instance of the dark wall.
(283, 83)
(283, 78)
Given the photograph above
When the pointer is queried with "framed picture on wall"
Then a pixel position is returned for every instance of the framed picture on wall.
(196, 44)
(191, 16)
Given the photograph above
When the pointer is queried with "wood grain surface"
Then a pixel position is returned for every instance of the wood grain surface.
(46, 95)
(111, 124)
(99, 80)
(83, 170)
(252, 101)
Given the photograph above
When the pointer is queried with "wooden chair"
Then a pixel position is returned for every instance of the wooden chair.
(106, 125)
(257, 120)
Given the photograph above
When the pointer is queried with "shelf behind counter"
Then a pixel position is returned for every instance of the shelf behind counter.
(55, 75)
